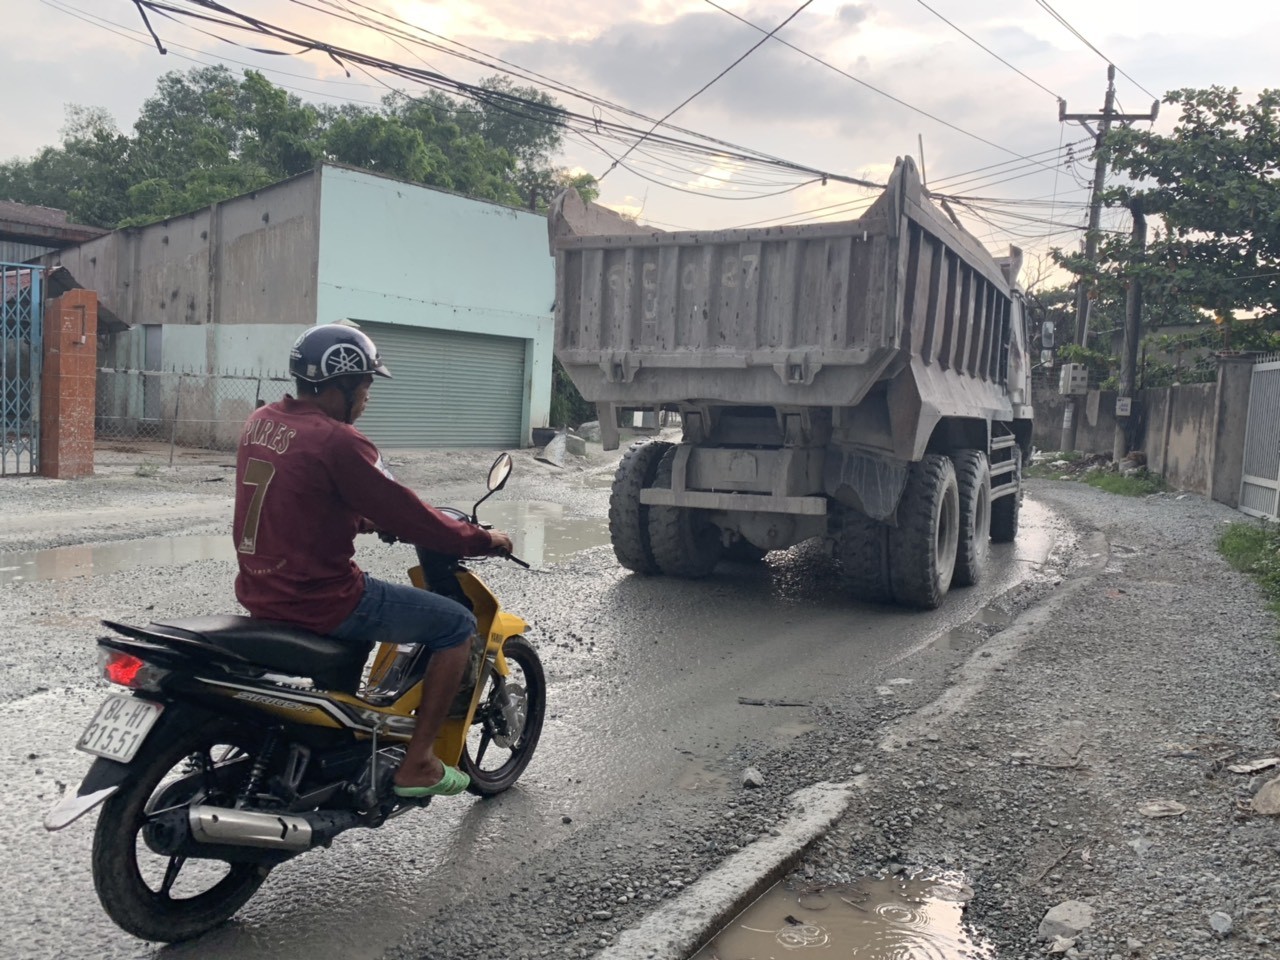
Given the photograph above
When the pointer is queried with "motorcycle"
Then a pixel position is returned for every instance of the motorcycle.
(241, 743)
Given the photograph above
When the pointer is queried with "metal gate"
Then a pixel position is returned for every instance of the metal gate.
(21, 326)
(1260, 488)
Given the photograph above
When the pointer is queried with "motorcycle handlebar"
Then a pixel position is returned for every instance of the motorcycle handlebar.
(392, 538)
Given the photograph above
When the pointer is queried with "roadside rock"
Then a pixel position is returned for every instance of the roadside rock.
(1267, 800)
(1066, 921)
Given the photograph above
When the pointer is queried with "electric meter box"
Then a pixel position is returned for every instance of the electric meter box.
(1073, 380)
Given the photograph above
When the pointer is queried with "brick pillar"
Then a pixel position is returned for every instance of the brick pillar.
(67, 385)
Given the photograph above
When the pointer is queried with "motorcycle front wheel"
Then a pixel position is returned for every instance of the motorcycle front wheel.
(507, 723)
(172, 898)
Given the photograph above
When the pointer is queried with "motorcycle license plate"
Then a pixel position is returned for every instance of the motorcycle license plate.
(120, 726)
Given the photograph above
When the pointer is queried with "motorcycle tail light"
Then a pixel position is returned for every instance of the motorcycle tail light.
(130, 671)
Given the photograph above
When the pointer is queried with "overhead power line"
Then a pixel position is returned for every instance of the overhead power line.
(988, 50)
(1044, 5)
(874, 89)
(702, 89)
(1011, 170)
(138, 36)
(711, 149)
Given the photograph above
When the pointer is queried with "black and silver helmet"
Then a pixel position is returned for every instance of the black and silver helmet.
(334, 350)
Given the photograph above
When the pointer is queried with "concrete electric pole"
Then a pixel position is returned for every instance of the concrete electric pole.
(1071, 412)
(1132, 331)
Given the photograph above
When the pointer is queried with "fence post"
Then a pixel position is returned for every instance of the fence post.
(177, 406)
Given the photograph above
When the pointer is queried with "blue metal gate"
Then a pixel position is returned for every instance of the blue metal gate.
(21, 329)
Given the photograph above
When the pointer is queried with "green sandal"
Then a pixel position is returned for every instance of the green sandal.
(451, 784)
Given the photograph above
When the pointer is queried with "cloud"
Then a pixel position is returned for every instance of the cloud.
(853, 13)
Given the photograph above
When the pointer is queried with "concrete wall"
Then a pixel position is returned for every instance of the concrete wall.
(1192, 435)
(1094, 434)
(247, 263)
(242, 348)
(1180, 434)
(391, 252)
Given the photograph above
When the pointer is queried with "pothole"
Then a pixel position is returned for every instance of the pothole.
(918, 917)
(995, 617)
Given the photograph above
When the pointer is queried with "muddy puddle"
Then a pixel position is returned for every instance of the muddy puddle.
(63, 563)
(540, 532)
(994, 617)
(899, 918)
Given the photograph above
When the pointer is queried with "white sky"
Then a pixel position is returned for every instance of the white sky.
(649, 55)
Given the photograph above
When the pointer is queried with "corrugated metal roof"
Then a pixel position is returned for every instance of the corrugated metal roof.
(13, 251)
(32, 214)
(29, 223)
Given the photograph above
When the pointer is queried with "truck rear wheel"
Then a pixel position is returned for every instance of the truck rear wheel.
(973, 476)
(628, 517)
(683, 541)
(744, 551)
(922, 547)
(1005, 510)
(862, 547)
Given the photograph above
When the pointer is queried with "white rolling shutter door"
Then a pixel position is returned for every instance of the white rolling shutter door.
(450, 389)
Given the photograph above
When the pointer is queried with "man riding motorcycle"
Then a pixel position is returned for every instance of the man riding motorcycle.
(307, 481)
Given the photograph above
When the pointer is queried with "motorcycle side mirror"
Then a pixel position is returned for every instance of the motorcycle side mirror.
(498, 475)
(499, 472)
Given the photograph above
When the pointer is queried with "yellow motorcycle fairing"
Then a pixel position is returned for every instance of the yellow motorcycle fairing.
(492, 623)
(393, 722)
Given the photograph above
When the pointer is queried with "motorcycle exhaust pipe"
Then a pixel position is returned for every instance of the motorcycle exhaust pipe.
(291, 833)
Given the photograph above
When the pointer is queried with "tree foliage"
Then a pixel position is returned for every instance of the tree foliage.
(208, 134)
(1212, 190)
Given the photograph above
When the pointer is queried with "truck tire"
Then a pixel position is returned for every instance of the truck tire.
(628, 517)
(1005, 510)
(744, 551)
(683, 542)
(922, 547)
(973, 475)
(862, 547)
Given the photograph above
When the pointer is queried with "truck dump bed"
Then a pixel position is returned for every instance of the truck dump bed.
(809, 315)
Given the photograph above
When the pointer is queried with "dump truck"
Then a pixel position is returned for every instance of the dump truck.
(866, 382)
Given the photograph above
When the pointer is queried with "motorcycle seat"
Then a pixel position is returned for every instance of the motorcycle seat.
(332, 664)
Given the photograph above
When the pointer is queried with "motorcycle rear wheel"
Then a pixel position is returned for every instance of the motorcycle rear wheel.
(493, 725)
(125, 868)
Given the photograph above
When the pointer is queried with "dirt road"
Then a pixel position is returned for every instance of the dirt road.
(1019, 723)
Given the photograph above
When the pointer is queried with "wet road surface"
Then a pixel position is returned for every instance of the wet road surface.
(646, 679)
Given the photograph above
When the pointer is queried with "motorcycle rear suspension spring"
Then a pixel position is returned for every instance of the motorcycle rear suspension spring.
(260, 765)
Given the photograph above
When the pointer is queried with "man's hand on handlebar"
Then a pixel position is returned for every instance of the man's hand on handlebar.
(499, 543)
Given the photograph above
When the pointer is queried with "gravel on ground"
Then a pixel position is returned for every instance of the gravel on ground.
(1134, 668)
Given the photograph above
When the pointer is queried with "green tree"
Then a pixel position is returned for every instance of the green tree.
(89, 175)
(209, 134)
(1212, 183)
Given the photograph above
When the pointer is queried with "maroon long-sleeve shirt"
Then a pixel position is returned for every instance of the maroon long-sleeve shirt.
(304, 481)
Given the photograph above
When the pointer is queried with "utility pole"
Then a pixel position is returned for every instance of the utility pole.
(1071, 413)
(1132, 330)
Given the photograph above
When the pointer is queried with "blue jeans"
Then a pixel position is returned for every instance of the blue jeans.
(398, 613)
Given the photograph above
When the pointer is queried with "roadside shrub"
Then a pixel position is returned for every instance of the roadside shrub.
(1254, 548)
(568, 409)
(1142, 485)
